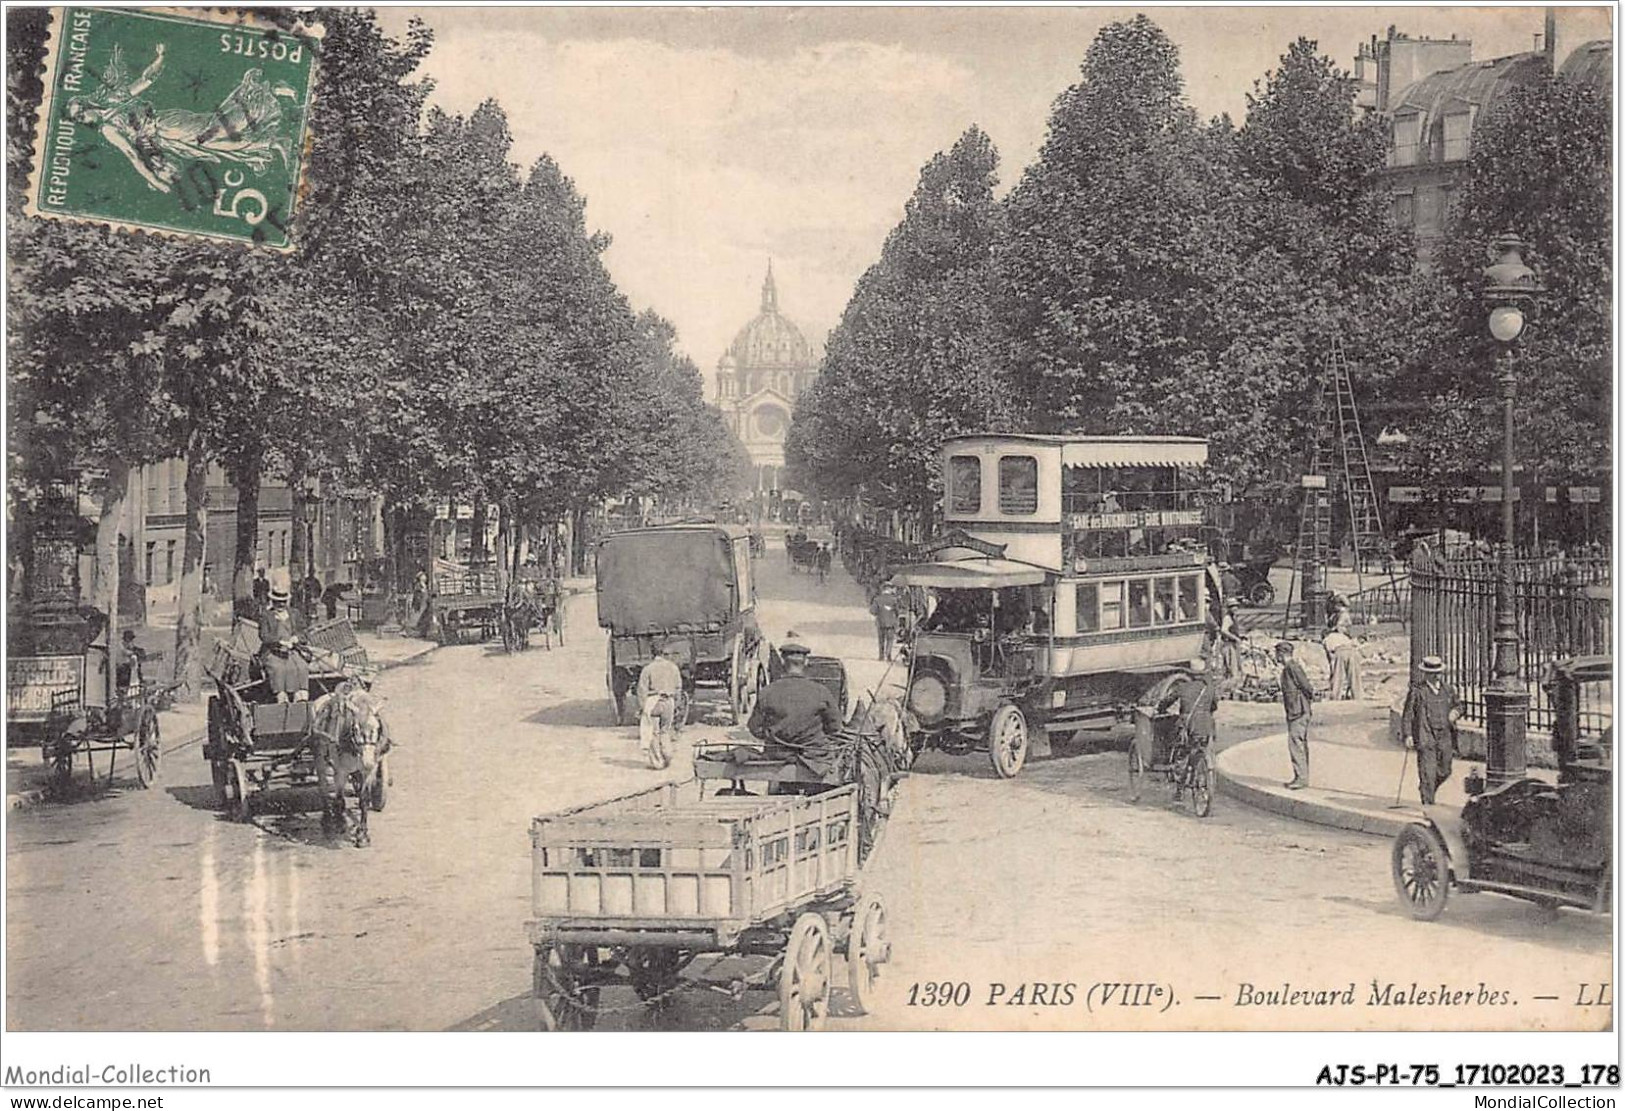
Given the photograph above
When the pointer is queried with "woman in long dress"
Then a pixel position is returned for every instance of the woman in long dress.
(287, 672)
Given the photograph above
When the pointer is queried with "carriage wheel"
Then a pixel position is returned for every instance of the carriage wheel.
(1421, 872)
(61, 760)
(147, 749)
(1136, 773)
(239, 805)
(562, 1001)
(220, 773)
(1007, 741)
(1261, 594)
(378, 796)
(1200, 782)
(654, 972)
(744, 680)
(868, 947)
(804, 979)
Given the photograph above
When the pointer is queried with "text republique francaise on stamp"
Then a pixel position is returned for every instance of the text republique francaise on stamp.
(188, 123)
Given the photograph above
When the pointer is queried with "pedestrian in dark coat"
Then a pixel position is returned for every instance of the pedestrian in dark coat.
(1431, 712)
(1195, 696)
(797, 717)
(887, 611)
(1297, 699)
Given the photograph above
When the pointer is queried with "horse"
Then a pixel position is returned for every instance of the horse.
(351, 741)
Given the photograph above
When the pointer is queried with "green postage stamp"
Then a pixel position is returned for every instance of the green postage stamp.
(184, 122)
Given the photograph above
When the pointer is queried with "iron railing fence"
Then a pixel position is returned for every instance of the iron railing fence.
(1562, 611)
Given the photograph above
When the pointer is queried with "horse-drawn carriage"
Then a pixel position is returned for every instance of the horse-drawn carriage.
(334, 742)
(533, 605)
(691, 584)
(61, 703)
(804, 552)
(631, 891)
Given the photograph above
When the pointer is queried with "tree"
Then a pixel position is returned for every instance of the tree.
(1115, 239)
(1540, 167)
(916, 355)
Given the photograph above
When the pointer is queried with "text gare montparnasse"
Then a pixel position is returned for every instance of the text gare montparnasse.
(1380, 994)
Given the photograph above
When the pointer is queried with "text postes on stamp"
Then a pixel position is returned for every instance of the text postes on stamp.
(188, 123)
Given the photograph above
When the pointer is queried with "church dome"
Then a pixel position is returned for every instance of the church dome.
(770, 340)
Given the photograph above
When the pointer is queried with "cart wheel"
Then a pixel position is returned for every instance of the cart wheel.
(147, 749)
(742, 681)
(1007, 741)
(1261, 594)
(868, 947)
(562, 1002)
(1136, 773)
(239, 805)
(379, 794)
(1200, 784)
(61, 761)
(220, 772)
(1421, 872)
(804, 979)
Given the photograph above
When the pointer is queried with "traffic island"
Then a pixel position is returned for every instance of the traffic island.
(1358, 779)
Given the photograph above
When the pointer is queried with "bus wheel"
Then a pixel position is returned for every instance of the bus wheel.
(1007, 741)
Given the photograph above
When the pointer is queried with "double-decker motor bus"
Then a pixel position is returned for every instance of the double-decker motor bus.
(1072, 579)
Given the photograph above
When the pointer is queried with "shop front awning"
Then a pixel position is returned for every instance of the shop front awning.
(970, 574)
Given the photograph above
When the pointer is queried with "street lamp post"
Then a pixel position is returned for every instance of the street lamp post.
(313, 512)
(1508, 285)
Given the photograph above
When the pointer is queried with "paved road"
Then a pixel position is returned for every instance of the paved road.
(150, 912)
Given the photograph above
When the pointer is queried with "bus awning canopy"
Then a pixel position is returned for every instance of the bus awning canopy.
(970, 574)
(1139, 451)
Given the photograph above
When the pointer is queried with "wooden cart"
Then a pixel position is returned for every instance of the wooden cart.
(690, 588)
(632, 890)
(60, 703)
(255, 743)
(467, 604)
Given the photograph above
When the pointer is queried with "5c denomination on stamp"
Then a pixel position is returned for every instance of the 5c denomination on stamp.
(189, 123)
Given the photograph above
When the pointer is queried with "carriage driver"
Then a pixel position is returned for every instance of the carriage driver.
(287, 671)
(797, 717)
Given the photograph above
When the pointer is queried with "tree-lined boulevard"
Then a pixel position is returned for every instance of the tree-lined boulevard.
(215, 925)
(446, 334)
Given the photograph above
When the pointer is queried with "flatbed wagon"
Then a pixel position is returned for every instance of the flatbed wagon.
(632, 890)
(467, 603)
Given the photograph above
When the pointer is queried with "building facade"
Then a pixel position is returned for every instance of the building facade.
(1435, 96)
(766, 367)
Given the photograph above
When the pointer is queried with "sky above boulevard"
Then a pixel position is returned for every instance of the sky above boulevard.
(708, 140)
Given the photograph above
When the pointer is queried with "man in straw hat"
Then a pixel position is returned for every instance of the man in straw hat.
(1297, 698)
(1429, 722)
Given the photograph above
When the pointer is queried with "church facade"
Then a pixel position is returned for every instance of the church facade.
(766, 367)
